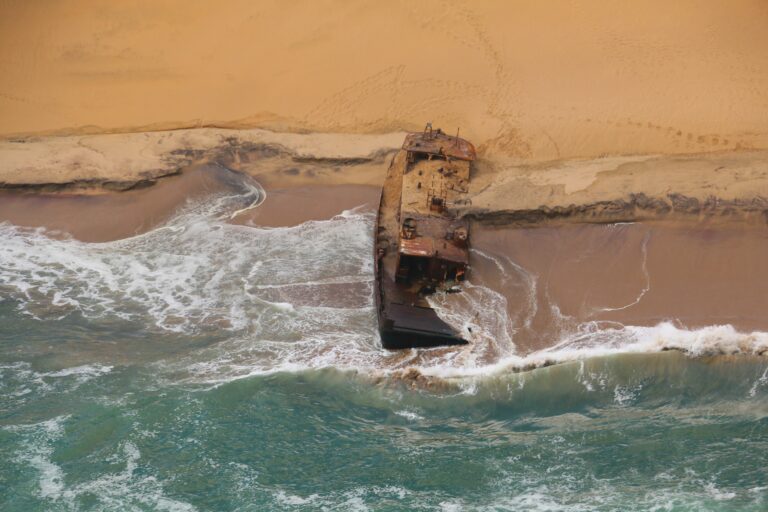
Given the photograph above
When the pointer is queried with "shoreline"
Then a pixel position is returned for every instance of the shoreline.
(108, 216)
(726, 185)
(635, 208)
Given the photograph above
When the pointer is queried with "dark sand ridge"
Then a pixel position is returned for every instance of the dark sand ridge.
(623, 188)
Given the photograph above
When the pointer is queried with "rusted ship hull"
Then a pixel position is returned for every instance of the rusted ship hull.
(404, 332)
(421, 247)
(406, 326)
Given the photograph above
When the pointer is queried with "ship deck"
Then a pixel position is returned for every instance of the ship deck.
(405, 316)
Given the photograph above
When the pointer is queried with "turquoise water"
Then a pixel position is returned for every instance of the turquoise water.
(206, 366)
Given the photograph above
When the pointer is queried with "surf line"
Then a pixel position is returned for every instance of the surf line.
(646, 289)
(254, 187)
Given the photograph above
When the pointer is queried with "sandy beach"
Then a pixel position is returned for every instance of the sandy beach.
(523, 80)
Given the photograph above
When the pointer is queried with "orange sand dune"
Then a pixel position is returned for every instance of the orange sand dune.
(524, 79)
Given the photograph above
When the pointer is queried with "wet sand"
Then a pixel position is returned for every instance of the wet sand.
(292, 206)
(111, 216)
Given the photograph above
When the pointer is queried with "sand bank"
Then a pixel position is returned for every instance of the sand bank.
(130, 160)
(726, 184)
(525, 80)
(631, 188)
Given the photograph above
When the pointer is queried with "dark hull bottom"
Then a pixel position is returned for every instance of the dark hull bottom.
(412, 327)
(398, 339)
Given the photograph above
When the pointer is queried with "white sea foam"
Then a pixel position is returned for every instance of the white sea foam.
(760, 382)
(480, 314)
(409, 415)
(84, 372)
(20, 381)
(591, 342)
(358, 499)
(718, 494)
(195, 273)
(626, 395)
(37, 452)
(126, 488)
(292, 500)
(528, 282)
(590, 380)
(115, 490)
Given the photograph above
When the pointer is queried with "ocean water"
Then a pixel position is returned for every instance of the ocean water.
(210, 366)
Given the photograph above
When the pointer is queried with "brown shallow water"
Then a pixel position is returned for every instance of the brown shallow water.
(688, 273)
(292, 206)
(104, 217)
(113, 215)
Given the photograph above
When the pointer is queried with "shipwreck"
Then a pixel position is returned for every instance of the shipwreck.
(421, 244)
